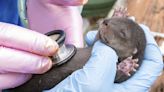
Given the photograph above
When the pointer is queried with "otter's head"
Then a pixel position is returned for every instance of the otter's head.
(120, 34)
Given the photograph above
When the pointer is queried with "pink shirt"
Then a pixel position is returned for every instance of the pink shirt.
(44, 16)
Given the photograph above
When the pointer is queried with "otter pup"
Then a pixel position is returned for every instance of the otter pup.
(126, 37)
(122, 34)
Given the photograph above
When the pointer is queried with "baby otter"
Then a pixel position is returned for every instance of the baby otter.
(122, 34)
(126, 37)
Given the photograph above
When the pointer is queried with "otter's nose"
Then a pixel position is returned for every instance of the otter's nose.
(105, 22)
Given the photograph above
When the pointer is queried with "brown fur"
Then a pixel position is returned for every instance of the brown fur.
(158, 85)
(121, 34)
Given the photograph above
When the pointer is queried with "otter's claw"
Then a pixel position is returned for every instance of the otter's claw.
(120, 12)
(128, 65)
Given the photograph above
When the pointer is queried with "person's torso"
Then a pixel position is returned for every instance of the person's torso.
(9, 12)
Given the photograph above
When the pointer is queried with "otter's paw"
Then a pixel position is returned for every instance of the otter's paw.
(120, 12)
(128, 65)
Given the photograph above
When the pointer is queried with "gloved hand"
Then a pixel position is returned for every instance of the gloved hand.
(48, 15)
(99, 72)
(23, 52)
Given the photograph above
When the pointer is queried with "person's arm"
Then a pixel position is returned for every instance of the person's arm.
(45, 16)
(96, 76)
(23, 52)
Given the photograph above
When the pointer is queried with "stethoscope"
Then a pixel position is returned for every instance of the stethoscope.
(65, 52)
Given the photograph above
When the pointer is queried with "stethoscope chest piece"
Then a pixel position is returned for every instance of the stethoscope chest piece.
(65, 52)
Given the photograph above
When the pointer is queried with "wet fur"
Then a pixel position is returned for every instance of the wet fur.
(114, 39)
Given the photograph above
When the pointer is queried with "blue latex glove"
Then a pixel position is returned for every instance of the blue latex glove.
(99, 72)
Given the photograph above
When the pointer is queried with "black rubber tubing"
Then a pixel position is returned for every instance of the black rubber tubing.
(60, 40)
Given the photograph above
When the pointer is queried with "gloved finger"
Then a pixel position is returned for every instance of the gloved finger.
(150, 40)
(69, 2)
(90, 37)
(12, 60)
(149, 37)
(24, 39)
(11, 80)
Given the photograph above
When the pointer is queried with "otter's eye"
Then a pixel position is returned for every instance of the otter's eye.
(122, 33)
